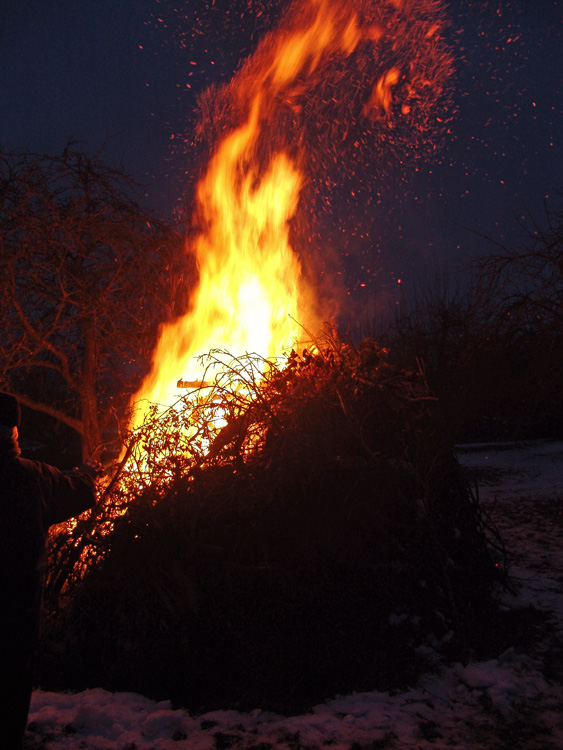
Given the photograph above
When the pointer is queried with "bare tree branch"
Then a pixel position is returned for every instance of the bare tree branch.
(84, 284)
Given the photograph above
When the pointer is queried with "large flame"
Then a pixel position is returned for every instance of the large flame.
(250, 290)
(252, 295)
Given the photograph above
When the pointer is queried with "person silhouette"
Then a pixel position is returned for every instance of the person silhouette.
(33, 497)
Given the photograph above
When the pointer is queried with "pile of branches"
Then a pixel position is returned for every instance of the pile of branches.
(281, 535)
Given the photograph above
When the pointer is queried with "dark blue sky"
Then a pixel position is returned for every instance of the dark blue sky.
(109, 71)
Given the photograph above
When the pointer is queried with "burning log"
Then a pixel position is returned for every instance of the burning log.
(192, 384)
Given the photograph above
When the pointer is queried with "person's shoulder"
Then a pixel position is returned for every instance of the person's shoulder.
(36, 467)
(18, 464)
(41, 473)
(19, 475)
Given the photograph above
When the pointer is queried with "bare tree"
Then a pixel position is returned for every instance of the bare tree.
(436, 322)
(493, 348)
(522, 288)
(85, 278)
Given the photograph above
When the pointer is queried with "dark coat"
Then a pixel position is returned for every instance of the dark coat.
(33, 496)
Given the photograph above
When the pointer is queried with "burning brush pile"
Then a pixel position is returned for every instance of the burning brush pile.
(312, 535)
(284, 531)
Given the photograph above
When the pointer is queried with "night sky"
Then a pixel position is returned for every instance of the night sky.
(125, 75)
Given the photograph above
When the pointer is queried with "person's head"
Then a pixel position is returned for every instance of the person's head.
(9, 415)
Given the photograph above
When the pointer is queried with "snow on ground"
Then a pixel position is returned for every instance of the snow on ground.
(512, 701)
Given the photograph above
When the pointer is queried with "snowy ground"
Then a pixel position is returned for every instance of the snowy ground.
(510, 702)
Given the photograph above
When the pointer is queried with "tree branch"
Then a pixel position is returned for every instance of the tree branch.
(52, 411)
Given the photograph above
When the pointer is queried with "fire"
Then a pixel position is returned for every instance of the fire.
(382, 96)
(250, 290)
(253, 295)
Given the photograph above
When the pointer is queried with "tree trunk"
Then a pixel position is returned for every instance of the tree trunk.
(91, 436)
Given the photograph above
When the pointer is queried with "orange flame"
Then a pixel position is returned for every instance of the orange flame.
(382, 95)
(252, 296)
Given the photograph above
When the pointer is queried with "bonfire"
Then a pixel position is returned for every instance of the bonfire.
(286, 501)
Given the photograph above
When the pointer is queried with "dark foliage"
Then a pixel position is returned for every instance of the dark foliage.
(492, 349)
(326, 535)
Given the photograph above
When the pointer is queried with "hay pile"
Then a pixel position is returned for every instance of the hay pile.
(322, 543)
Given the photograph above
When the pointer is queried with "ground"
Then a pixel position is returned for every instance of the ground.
(511, 700)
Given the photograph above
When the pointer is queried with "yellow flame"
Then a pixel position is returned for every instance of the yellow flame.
(251, 296)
